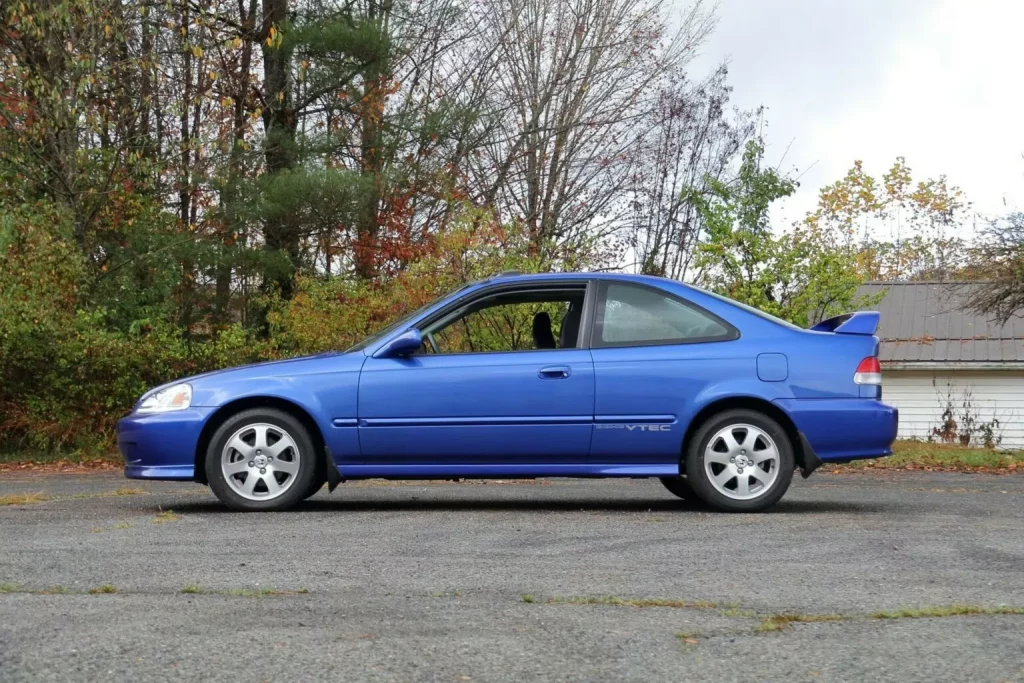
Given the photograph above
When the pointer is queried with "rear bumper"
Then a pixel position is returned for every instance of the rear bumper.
(843, 429)
(161, 446)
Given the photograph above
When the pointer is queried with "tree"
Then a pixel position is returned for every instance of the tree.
(574, 86)
(998, 258)
(691, 142)
(803, 275)
(919, 223)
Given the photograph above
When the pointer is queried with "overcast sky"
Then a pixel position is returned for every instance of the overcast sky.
(936, 81)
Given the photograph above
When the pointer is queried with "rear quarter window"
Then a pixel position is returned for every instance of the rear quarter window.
(635, 315)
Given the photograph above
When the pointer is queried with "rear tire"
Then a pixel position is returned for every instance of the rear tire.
(261, 459)
(740, 461)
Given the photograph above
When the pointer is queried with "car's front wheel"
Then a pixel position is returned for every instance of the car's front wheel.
(680, 487)
(261, 459)
(740, 461)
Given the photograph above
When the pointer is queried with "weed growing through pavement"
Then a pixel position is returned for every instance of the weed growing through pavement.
(24, 499)
(946, 611)
(165, 516)
(40, 497)
(630, 602)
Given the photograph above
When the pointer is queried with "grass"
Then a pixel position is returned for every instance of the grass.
(780, 622)
(15, 588)
(253, 592)
(945, 611)
(627, 602)
(191, 589)
(921, 455)
(30, 459)
(165, 516)
(40, 497)
(24, 499)
(128, 491)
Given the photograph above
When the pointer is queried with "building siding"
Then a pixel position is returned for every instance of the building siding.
(921, 396)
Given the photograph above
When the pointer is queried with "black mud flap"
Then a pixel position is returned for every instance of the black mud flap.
(333, 476)
(811, 461)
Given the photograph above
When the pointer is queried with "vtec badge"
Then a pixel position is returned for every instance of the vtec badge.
(642, 428)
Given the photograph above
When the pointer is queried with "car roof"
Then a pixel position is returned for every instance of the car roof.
(626, 277)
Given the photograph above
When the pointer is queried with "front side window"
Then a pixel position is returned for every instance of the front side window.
(521, 320)
(632, 315)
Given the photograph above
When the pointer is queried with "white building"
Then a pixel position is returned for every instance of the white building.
(950, 372)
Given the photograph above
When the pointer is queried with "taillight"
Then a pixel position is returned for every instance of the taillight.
(868, 372)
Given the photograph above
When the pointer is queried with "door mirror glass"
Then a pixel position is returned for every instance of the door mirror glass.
(405, 344)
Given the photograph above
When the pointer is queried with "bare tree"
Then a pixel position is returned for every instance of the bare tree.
(998, 257)
(571, 97)
(693, 139)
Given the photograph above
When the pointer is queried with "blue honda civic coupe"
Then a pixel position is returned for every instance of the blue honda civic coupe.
(555, 375)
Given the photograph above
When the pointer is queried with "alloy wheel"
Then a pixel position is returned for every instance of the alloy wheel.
(260, 461)
(741, 461)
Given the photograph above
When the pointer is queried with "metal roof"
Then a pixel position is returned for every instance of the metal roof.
(927, 322)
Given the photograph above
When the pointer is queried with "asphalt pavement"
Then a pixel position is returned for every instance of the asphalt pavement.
(559, 580)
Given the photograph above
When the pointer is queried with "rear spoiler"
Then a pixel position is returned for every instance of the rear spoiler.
(861, 322)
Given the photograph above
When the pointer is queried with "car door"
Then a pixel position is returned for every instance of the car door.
(482, 407)
(653, 352)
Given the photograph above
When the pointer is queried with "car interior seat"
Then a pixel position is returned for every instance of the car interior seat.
(571, 326)
(543, 338)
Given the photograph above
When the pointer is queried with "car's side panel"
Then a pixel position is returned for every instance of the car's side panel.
(675, 382)
(326, 388)
(477, 408)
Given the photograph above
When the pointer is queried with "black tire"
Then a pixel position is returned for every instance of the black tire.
(314, 487)
(276, 423)
(680, 487)
(700, 480)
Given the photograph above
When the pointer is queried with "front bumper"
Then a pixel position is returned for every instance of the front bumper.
(844, 429)
(161, 445)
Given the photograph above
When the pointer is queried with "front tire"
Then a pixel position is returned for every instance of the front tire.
(680, 487)
(261, 459)
(740, 461)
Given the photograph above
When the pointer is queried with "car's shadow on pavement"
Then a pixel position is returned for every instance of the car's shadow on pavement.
(638, 505)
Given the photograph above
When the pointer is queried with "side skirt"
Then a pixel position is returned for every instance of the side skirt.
(505, 471)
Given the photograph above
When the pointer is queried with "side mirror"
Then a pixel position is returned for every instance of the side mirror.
(405, 344)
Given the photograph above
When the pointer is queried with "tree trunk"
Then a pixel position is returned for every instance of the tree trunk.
(280, 125)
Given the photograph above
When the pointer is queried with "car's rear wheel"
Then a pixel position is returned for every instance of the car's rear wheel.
(740, 461)
(261, 459)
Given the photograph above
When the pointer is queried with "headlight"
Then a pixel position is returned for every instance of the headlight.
(177, 397)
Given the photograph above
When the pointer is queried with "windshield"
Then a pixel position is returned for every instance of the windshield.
(403, 321)
(749, 309)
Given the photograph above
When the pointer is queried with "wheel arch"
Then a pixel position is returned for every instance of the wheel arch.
(228, 409)
(758, 405)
